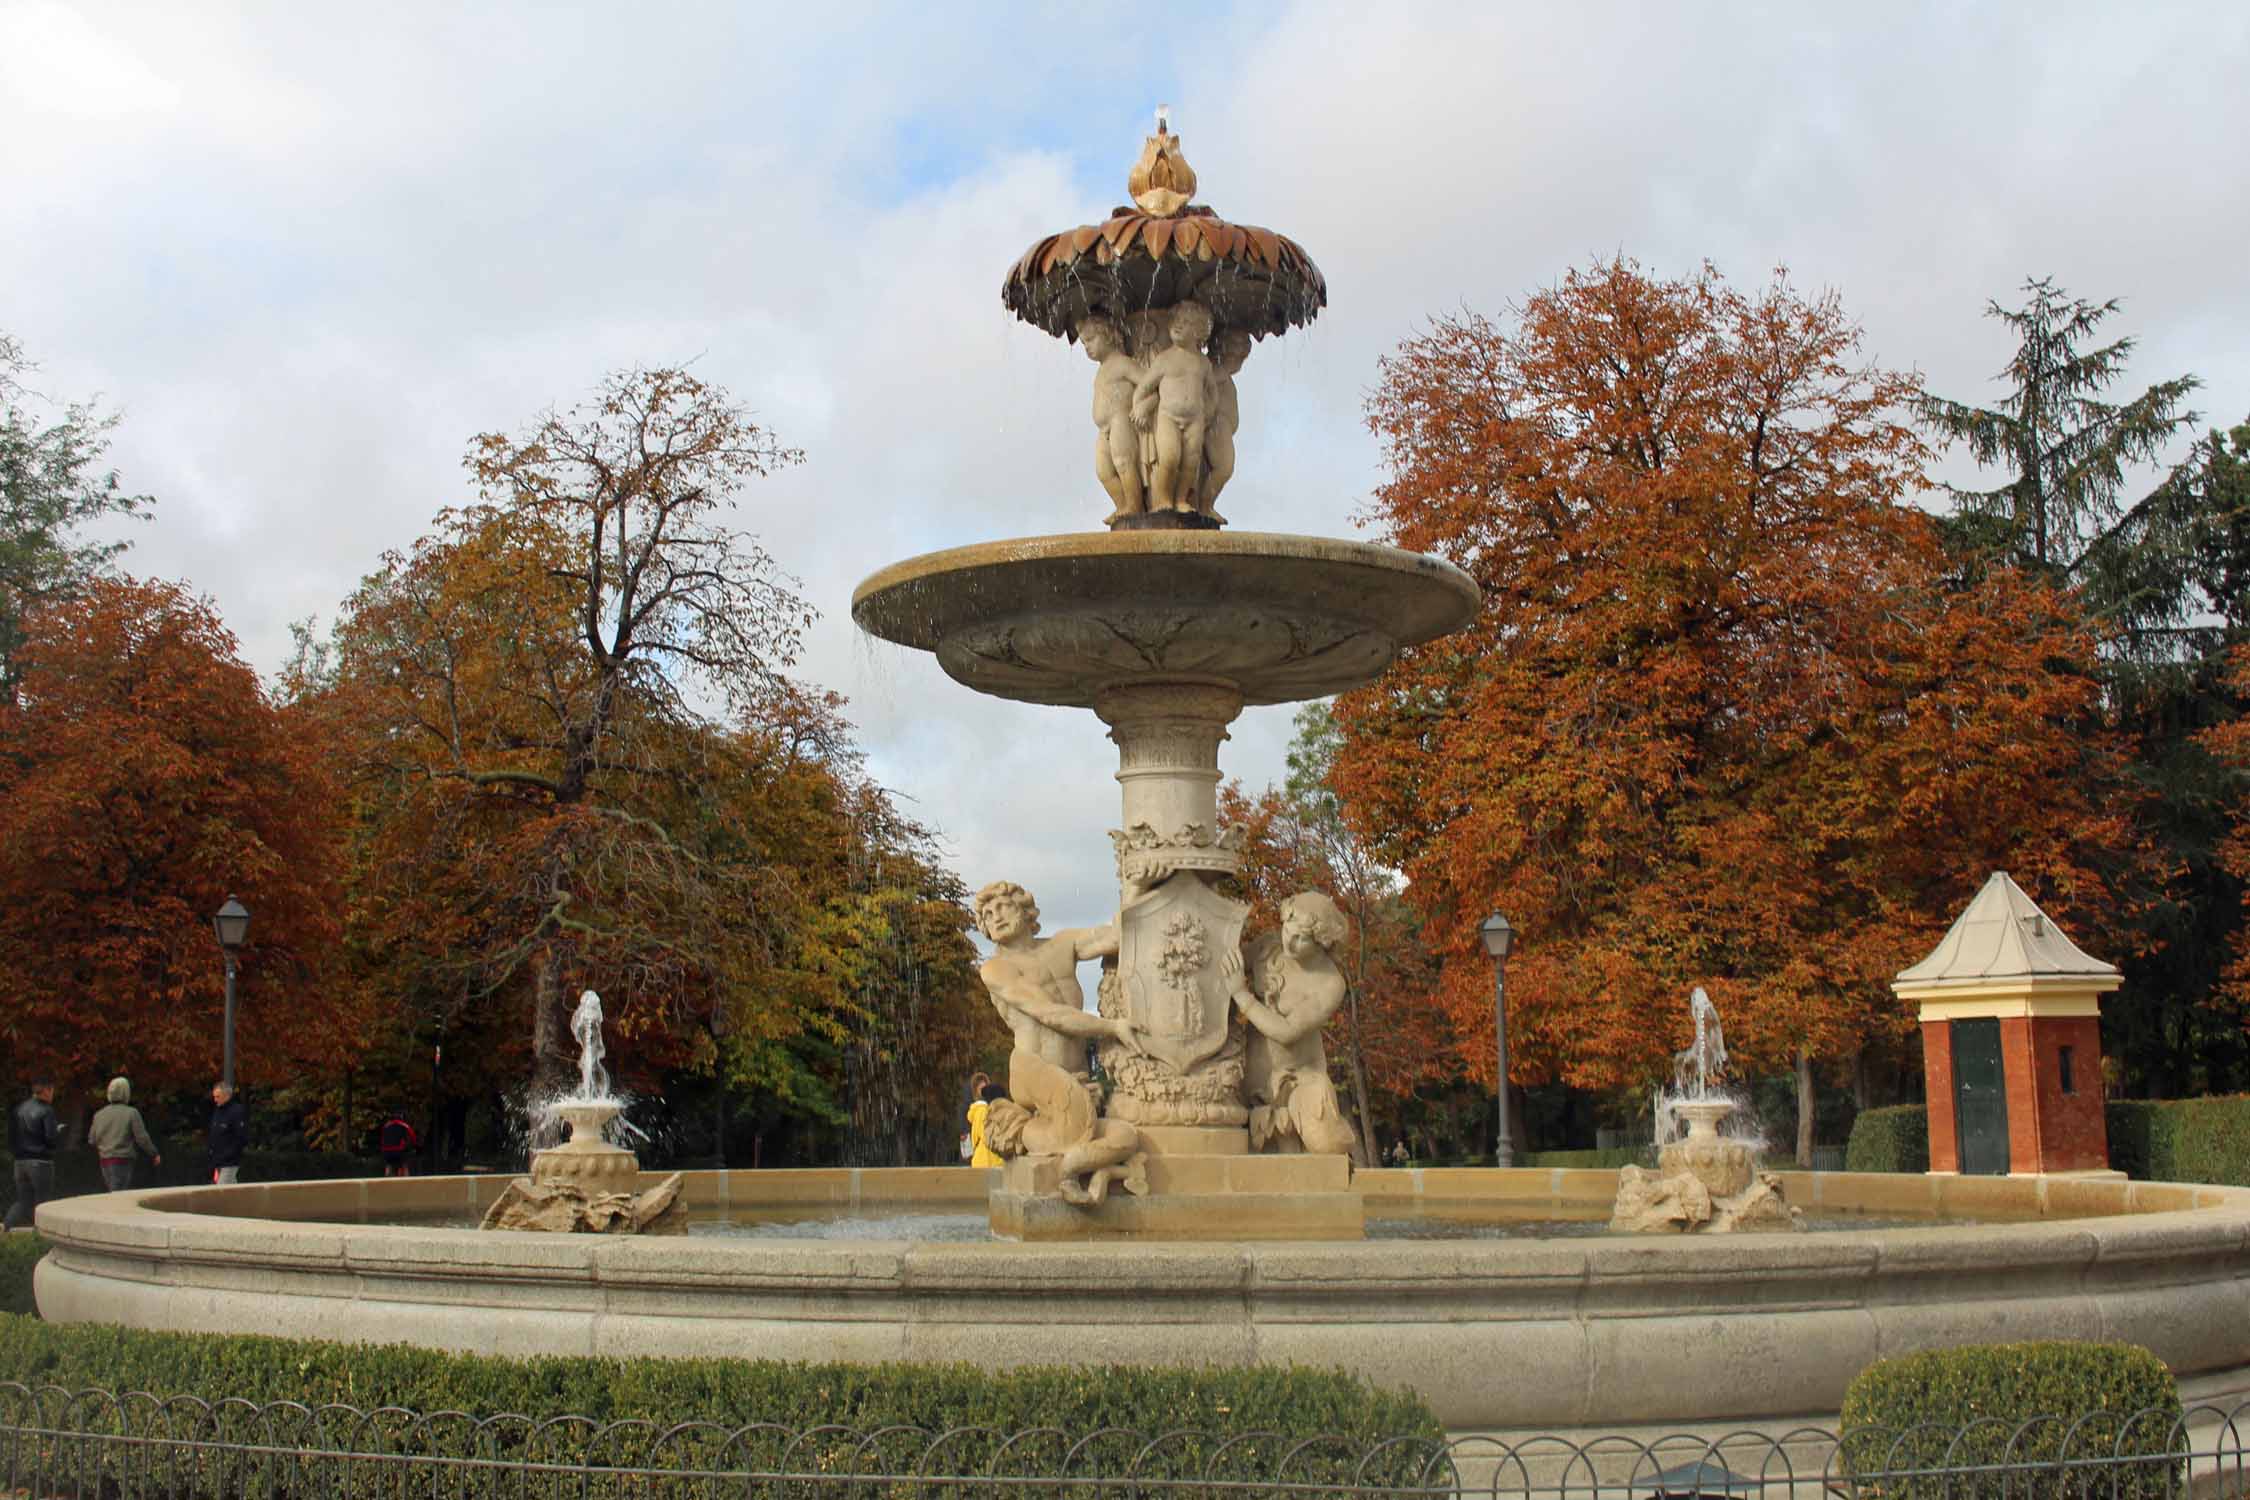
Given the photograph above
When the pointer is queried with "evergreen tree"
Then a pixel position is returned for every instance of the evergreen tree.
(2168, 578)
(2067, 450)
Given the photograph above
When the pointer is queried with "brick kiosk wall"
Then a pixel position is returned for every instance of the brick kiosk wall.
(1937, 1080)
(2073, 1128)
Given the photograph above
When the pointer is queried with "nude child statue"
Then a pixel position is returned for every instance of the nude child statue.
(1228, 352)
(1172, 404)
(1034, 986)
(1117, 443)
(1293, 1104)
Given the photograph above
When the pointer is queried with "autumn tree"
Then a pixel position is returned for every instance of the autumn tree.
(1720, 721)
(2229, 744)
(1388, 1037)
(145, 775)
(52, 485)
(529, 671)
(2160, 559)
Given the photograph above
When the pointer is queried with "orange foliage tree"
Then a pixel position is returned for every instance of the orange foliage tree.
(1724, 719)
(145, 775)
(2230, 744)
(521, 682)
(1390, 1038)
(542, 806)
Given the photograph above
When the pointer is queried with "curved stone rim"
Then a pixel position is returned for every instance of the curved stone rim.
(1064, 619)
(1609, 1331)
(1451, 603)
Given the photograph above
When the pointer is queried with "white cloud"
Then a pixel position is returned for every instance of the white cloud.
(313, 251)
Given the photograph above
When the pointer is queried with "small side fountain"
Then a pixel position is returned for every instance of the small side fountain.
(1706, 1183)
(586, 1185)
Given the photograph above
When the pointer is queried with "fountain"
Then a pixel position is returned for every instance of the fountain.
(1218, 1136)
(1705, 1183)
(1165, 625)
(588, 1184)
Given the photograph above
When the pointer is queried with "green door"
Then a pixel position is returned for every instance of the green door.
(1980, 1098)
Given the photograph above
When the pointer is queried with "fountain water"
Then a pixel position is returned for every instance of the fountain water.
(1704, 1181)
(588, 1184)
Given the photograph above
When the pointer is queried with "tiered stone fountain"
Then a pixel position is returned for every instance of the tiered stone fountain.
(1166, 625)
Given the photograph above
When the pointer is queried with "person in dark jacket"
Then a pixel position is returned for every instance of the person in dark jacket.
(398, 1138)
(33, 1135)
(230, 1132)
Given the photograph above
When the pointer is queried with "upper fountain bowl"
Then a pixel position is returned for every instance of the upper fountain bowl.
(1058, 619)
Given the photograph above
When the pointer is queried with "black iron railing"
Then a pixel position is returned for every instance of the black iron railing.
(90, 1443)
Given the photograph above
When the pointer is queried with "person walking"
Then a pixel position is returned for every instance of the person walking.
(971, 1097)
(982, 1154)
(396, 1140)
(33, 1135)
(230, 1133)
(116, 1132)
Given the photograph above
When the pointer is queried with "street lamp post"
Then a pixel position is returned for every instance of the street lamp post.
(232, 924)
(1499, 937)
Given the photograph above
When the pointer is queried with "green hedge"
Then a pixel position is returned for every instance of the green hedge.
(18, 1254)
(2001, 1387)
(728, 1391)
(1895, 1139)
(2182, 1140)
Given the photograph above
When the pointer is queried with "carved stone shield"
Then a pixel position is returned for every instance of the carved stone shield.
(1170, 944)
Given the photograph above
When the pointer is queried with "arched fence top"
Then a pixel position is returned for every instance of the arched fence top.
(130, 1444)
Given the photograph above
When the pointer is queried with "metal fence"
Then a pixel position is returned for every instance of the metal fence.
(90, 1443)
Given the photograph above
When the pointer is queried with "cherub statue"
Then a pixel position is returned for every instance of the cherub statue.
(1293, 1105)
(1117, 446)
(1228, 351)
(1051, 1108)
(1172, 404)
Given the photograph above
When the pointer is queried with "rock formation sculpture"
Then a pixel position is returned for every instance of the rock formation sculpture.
(1295, 987)
(1705, 1183)
(588, 1184)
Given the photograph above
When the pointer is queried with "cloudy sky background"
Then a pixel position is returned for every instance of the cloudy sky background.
(310, 250)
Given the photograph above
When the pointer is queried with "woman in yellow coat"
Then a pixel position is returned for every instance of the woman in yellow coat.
(981, 1154)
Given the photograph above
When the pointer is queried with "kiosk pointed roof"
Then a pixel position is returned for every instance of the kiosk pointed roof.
(2004, 935)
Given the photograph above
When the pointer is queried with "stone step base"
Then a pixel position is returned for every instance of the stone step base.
(1182, 1216)
(1037, 1176)
(1189, 1198)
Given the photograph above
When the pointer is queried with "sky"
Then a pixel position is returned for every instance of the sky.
(308, 251)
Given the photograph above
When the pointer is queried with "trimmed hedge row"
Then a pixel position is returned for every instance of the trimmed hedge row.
(18, 1254)
(2002, 1387)
(2182, 1140)
(726, 1391)
(1894, 1139)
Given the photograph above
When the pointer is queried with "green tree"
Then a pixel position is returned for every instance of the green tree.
(2066, 451)
(52, 485)
(2166, 579)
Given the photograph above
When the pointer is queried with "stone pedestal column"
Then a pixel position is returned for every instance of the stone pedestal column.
(1168, 736)
(1183, 1090)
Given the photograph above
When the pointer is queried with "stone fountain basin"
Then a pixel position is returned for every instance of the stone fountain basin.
(1056, 619)
(1500, 1335)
